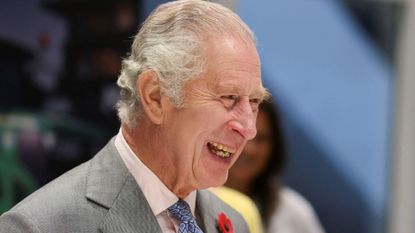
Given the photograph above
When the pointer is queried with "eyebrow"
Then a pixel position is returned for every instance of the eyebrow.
(266, 94)
(262, 93)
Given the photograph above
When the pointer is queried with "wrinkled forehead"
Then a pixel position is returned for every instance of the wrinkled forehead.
(234, 65)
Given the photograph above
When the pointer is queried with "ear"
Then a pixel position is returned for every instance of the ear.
(150, 95)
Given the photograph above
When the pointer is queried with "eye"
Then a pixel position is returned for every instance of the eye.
(229, 100)
(255, 104)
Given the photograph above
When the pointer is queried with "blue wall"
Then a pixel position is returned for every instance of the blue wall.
(334, 89)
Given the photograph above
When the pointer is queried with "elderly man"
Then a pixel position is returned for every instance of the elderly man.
(190, 91)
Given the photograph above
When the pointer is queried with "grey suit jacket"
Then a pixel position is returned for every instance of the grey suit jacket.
(102, 196)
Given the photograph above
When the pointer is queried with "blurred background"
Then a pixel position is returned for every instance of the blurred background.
(342, 72)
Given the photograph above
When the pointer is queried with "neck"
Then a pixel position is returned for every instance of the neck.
(146, 143)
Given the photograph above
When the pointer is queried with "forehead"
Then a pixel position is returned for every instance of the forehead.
(233, 65)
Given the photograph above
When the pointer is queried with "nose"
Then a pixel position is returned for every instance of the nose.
(244, 120)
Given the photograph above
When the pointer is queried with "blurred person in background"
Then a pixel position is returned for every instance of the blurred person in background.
(257, 174)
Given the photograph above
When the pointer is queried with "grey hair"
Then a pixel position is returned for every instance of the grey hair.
(170, 43)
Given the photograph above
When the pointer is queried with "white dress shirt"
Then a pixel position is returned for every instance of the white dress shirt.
(158, 196)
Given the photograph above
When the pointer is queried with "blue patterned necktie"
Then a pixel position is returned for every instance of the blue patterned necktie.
(181, 211)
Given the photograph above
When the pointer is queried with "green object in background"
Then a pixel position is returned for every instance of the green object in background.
(11, 171)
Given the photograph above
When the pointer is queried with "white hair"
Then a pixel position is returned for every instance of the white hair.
(170, 43)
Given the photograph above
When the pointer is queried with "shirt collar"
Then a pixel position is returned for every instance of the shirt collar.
(158, 196)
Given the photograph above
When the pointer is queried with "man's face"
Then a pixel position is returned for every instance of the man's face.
(207, 135)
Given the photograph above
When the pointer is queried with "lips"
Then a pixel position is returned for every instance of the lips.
(220, 150)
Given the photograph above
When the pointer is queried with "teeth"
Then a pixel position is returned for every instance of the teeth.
(221, 150)
(222, 154)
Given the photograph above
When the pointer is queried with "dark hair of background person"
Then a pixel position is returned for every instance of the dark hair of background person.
(265, 187)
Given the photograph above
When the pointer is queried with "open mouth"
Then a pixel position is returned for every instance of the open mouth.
(220, 150)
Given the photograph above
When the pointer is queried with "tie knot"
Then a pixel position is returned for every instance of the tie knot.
(181, 211)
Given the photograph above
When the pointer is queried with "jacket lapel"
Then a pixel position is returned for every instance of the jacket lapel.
(206, 213)
(110, 185)
(209, 206)
(130, 212)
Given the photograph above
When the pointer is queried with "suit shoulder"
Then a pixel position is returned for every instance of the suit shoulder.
(55, 205)
(15, 222)
(59, 191)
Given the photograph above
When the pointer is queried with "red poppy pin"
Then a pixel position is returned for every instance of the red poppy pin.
(224, 224)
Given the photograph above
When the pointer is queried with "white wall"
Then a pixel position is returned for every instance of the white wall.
(402, 211)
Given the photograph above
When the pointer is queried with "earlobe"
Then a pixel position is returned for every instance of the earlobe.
(150, 95)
